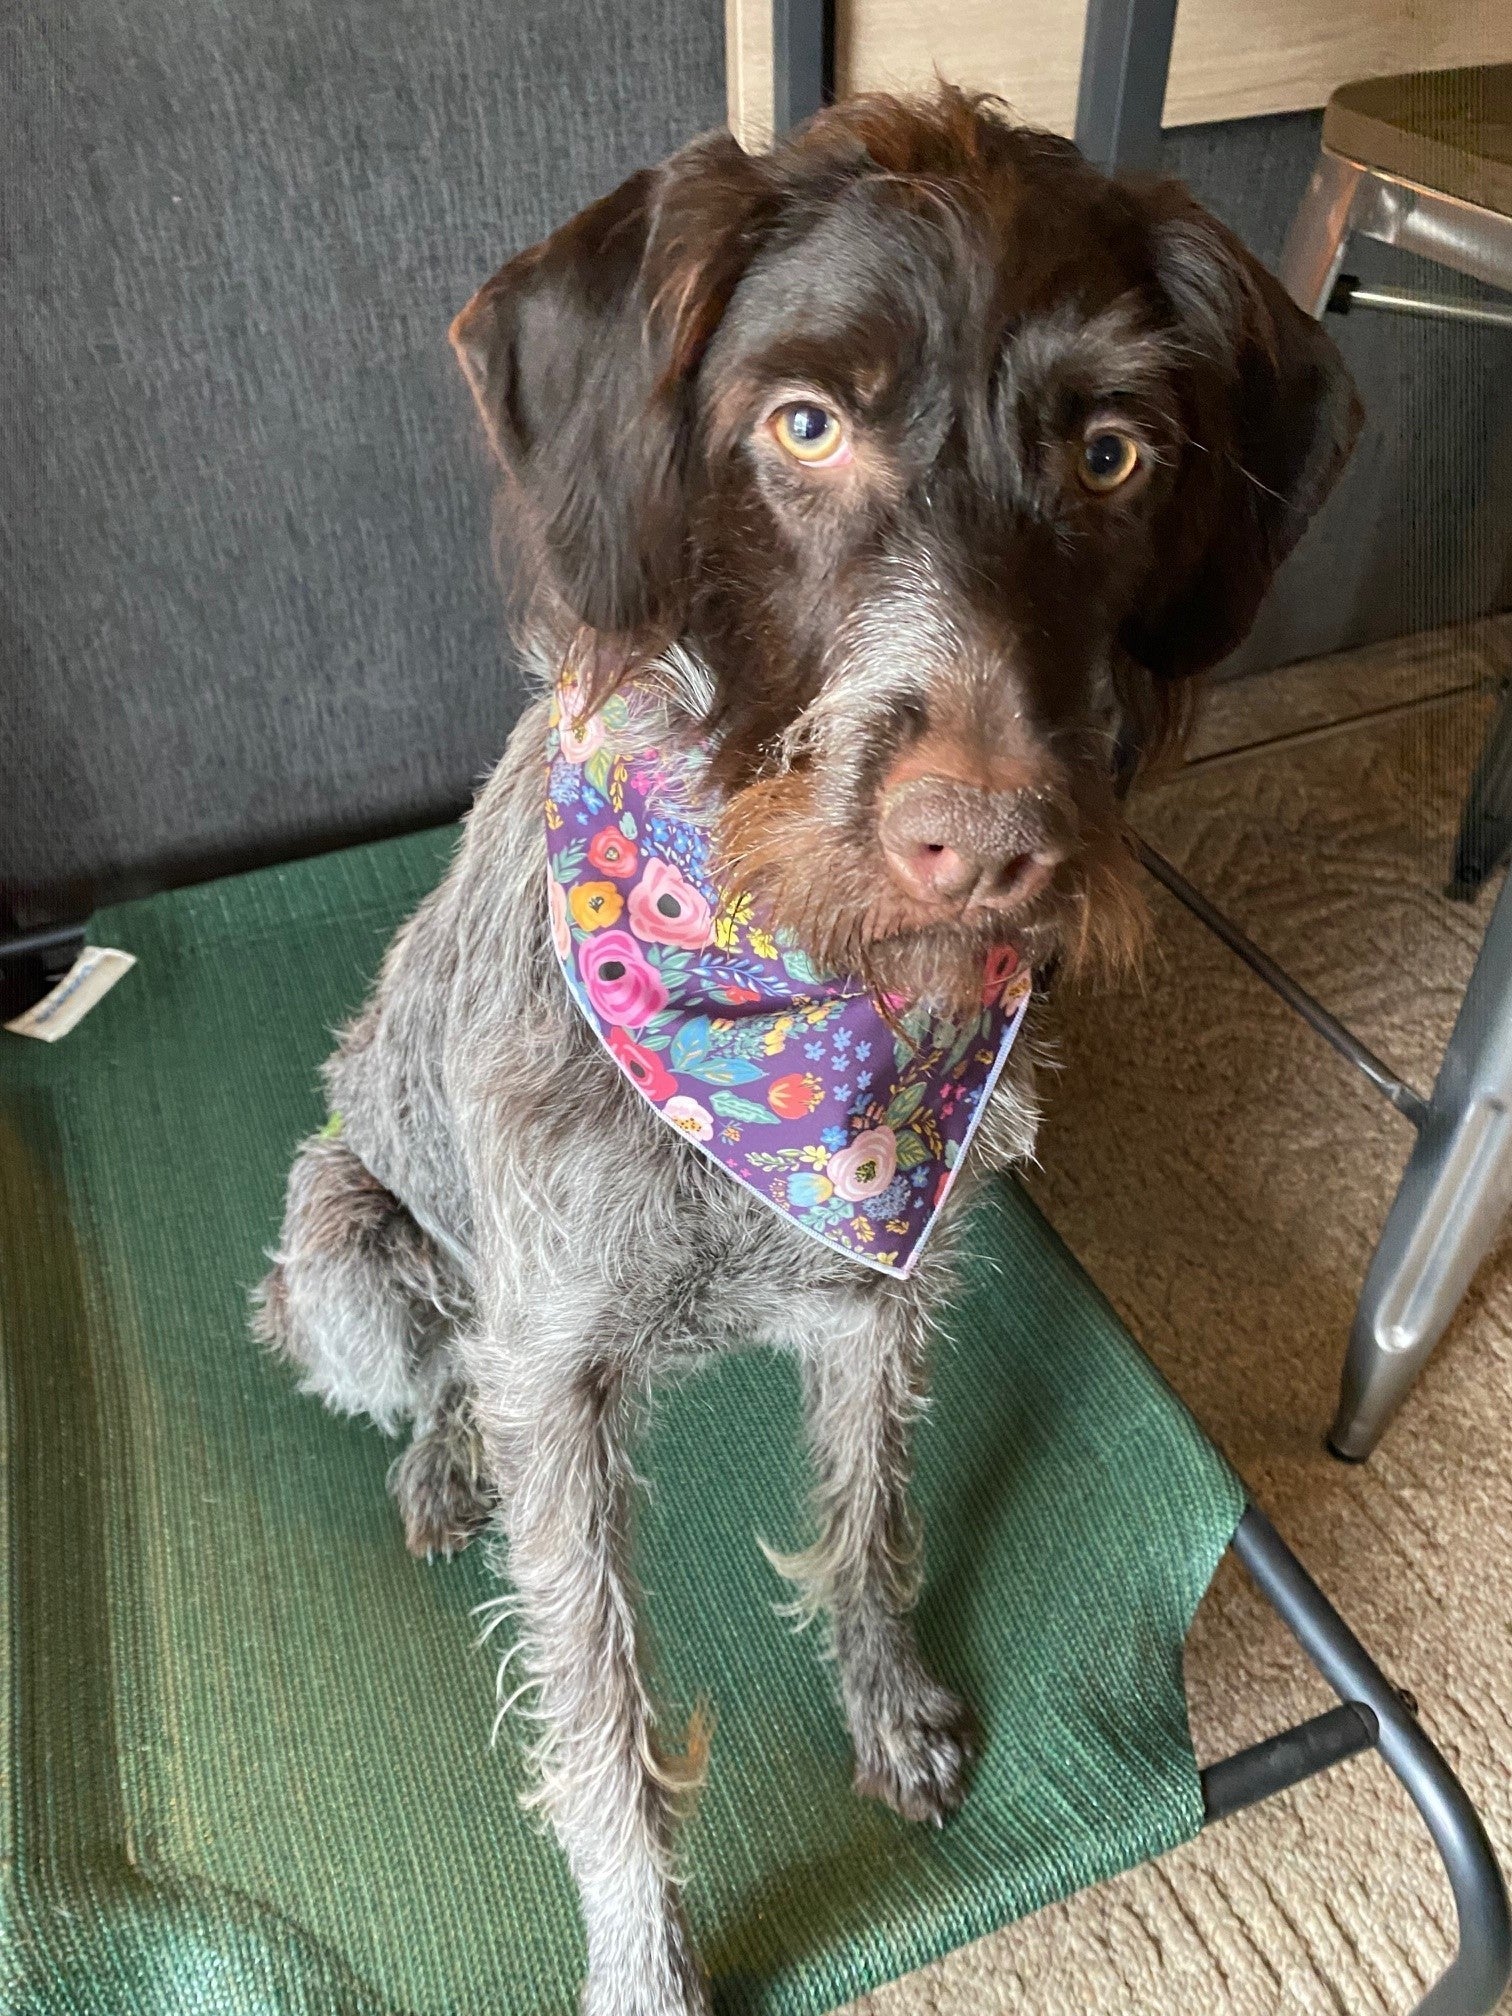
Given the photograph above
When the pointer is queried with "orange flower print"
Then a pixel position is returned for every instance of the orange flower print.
(595, 905)
(795, 1095)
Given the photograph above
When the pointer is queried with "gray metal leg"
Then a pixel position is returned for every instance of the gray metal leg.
(1453, 1197)
(802, 60)
(1481, 1968)
(1126, 58)
(1314, 249)
(1485, 834)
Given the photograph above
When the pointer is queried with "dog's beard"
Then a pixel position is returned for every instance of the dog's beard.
(831, 893)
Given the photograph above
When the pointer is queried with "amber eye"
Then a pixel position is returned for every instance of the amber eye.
(1107, 459)
(808, 433)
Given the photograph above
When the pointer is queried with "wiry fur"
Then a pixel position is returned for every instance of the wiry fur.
(596, 1255)
(506, 1247)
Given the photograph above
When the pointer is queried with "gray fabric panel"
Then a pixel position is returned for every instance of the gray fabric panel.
(249, 608)
(1419, 531)
(249, 602)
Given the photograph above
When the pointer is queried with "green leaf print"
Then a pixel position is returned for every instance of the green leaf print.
(905, 1104)
(658, 1032)
(692, 1044)
(733, 1107)
(567, 865)
(724, 1071)
(801, 968)
(911, 1149)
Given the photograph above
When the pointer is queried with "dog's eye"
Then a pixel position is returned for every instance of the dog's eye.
(1107, 460)
(809, 433)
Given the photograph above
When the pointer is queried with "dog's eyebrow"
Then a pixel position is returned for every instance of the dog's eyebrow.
(1114, 350)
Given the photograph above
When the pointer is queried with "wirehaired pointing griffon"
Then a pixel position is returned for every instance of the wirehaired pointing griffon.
(871, 493)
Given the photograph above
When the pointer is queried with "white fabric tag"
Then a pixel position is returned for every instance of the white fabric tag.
(89, 979)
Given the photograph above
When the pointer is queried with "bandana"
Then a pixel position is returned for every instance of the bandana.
(850, 1121)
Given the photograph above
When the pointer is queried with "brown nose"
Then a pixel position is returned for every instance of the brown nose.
(950, 842)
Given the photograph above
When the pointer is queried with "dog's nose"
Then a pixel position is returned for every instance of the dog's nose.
(953, 843)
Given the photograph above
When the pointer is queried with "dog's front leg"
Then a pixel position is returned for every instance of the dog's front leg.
(864, 1374)
(557, 1440)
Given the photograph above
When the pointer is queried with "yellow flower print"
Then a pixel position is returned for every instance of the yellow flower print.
(553, 816)
(595, 904)
(863, 1229)
(734, 910)
(762, 945)
(777, 1035)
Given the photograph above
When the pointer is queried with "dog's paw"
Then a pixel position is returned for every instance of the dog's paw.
(913, 1754)
(442, 1495)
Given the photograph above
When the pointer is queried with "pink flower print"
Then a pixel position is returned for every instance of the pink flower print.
(621, 985)
(867, 1166)
(1002, 964)
(561, 935)
(641, 1064)
(692, 1118)
(611, 853)
(579, 738)
(665, 908)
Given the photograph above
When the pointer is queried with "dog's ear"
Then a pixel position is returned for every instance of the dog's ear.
(580, 353)
(1273, 415)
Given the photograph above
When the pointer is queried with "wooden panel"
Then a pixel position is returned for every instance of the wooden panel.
(748, 70)
(1232, 58)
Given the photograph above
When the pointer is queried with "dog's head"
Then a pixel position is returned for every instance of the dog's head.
(949, 459)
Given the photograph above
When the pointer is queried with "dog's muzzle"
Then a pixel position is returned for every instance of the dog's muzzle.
(954, 844)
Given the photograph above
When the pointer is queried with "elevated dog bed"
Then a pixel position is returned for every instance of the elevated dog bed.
(245, 1741)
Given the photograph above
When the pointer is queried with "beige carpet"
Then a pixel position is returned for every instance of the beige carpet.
(1223, 1176)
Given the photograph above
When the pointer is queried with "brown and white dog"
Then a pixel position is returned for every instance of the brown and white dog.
(911, 464)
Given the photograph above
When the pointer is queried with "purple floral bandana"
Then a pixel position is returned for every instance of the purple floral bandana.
(792, 1080)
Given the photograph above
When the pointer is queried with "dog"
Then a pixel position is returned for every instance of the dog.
(911, 469)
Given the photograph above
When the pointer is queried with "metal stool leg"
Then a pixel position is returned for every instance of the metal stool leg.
(1485, 834)
(1314, 249)
(1453, 1197)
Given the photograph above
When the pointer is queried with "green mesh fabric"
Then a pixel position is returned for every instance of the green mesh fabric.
(245, 1740)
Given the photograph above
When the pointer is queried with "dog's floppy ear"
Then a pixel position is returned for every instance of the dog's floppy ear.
(1273, 416)
(580, 354)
